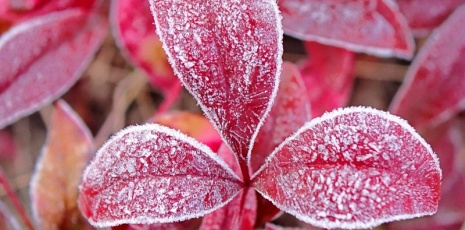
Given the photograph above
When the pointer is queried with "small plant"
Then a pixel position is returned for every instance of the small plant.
(351, 168)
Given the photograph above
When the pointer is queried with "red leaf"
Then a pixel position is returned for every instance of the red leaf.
(228, 55)
(434, 88)
(133, 28)
(372, 26)
(42, 58)
(153, 174)
(328, 76)
(423, 16)
(291, 109)
(238, 214)
(54, 185)
(191, 124)
(352, 168)
(270, 226)
(228, 156)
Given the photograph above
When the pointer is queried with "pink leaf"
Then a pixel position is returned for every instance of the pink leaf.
(225, 153)
(423, 16)
(370, 26)
(237, 214)
(291, 109)
(191, 124)
(133, 28)
(328, 76)
(153, 174)
(352, 168)
(434, 88)
(54, 185)
(228, 55)
(42, 58)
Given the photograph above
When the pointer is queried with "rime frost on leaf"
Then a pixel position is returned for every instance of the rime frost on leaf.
(328, 76)
(236, 215)
(132, 25)
(370, 26)
(153, 174)
(42, 58)
(291, 109)
(193, 125)
(54, 185)
(352, 168)
(425, 15)
(228, 55)
(434, 88)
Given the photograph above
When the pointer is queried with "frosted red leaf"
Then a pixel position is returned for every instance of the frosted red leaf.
(328, 76)
(134, 31)
(228, 55)
(36, 65)
(54, 184)
(352, 168)
(291, 109)
(236, 215)
(154, 174)
(434, 87)
(425, 15)
(191, 124)
(371, 26)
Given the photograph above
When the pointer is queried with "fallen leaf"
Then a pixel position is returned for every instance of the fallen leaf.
(54, 185)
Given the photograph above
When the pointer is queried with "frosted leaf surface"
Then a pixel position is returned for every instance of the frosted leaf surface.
(236, 215)
(425, 15)
(371, 26)
(328, 76)
(352, 168)
(228, 55)
(434, 87)
(54, 184)
(153, 174)
(42, 58)
(133, 27)
(291, 109)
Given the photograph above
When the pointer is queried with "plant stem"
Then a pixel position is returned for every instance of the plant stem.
(15, 200)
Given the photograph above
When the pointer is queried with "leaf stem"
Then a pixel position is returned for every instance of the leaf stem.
(169, 98)
(15, 200)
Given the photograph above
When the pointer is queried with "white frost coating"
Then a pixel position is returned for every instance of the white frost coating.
(171, 132)
(208, 111)
(277, 79)
(368, 49)
(331, 225)
(348, 110)
(13, 107)
(354, 190)
(424, 54)
(132, 191)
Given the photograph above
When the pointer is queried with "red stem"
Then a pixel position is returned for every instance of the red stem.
(15, 200)
(169, 98)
